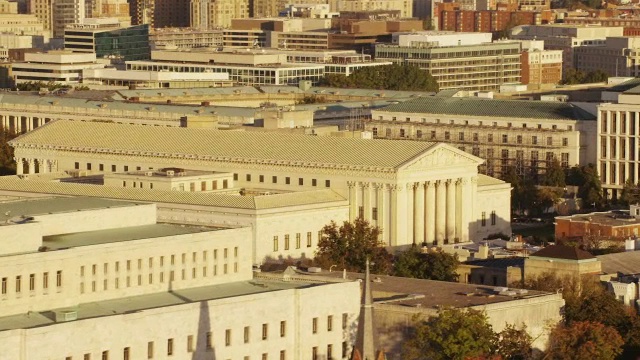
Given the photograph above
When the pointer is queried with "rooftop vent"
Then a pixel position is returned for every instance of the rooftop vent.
(67, 315)
(170, 173)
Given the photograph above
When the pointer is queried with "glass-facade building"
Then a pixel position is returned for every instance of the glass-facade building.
(130, 43)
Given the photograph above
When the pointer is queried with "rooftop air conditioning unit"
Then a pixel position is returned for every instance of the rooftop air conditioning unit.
(64, 316)
(170, 173)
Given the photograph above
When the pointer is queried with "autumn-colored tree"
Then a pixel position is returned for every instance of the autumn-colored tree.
(7, 164)
(452, 335)
(349, 246)
(584, 340)
(514, 343)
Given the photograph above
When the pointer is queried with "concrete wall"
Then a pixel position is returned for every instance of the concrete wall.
(297, 307)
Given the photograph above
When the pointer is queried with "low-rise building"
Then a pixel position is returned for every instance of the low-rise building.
(82, 267)
(540, 67)
(618, 56)
(507, 133)
(171, 179)
(185, 38)
(134, 79)
(61, 67)
(611, 226)
(562, 261)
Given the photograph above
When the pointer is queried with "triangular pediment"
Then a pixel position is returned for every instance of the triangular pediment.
(441, 155)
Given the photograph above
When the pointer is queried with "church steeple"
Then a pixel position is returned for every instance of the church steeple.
(365, 347)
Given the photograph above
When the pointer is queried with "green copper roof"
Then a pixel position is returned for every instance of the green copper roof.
(490, 107)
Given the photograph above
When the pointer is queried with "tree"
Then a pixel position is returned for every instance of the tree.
(596, 76)
(386, 77)
(588, 182)
(452, 335)
(584, 340)
(350, 245)
(7, 165)
(573, 76)
(436, 265)
(514, 343)
(630, 193)
(554, 174)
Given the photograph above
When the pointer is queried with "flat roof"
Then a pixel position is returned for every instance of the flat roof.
(260, 202)
(99, 237)
(55, 205)
(612, 218)
(178, 173)
(431, 294)
(524, 109)
(133, 304)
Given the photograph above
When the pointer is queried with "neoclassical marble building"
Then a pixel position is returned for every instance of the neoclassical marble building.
(414, 191)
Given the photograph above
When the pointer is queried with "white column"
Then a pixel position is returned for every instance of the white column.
(451, 210)
(19, 166)
(383, 213)
(353, 201)
(366, 200)
(418, 219)
(430, 213)
(466, 217)
(393, 235)
(441, 210)
(32, 166)
(43, 166)
(409, 239)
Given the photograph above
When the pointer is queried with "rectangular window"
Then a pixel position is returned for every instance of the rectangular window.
(76, 166)
(283, 328)
(246, 334)
(505, 139)
(345, 319)
(361, 212)
(314, 326)
(209, 340)
(126, 168)
(286, 242)
(329, 351)
(300, 181)
(314, 353)
(150, 350)
(309, 239)
(265, 331)
(298, 241)
(32, 282)
(283, 355)
(287, 180)
(235, 177)
(88, 166)
(4, 286)
(483, 221)
(261, 178)
(493, 218)
(225, 183)
(170, 347)
(18, 278)
(565, 141)
(374, 213)
(330, 323)
(227, 337)
(549, 141)
(87, 357)
(534, 140)
(113, 168)
(314, 182)
(105, 355)
(126, 353)
(101, 167)
(327, 183)
(203, 186)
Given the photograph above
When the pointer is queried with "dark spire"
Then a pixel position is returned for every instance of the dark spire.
(365, 347)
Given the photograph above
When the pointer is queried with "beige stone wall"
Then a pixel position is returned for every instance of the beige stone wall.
(534, 266)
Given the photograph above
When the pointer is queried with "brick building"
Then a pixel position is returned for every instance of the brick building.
(610, 225)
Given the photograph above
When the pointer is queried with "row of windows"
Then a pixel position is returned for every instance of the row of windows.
(483, 221)
(228, 341)
(287, 180)
(287, 244)
(475, 123)
(44, 279)
(204, 185)
(462, 136)
(617, 122)
(114, 168)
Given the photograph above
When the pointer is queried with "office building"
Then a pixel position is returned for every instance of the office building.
(540, 68)
(476, 66)
(506, 133)
(61, 67)
(216, 14)
(109, 40)
(618, 56)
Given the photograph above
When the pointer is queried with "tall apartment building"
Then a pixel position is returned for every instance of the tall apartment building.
(67, 12)
(142, 12)
(618, 142)
(540, 67)
(118, 9)
(566, 38)
(8, 7)
(476, 65)
(405, 6)
(160, 13)
(506, 133)
(22, 24)
(212, 14)
(618, 56)
(43, 10)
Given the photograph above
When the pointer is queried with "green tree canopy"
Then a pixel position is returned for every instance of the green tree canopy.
(584, 340)
(514, 343)
(630, 193)
(349, 246)
(554, 174)
(385, 77)
(436, 265)
(573, 76)
(452, 335)
(588, 182)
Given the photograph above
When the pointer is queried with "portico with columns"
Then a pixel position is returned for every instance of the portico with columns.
(416, 192)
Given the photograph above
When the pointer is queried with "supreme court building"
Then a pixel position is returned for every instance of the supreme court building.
(415, 191)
